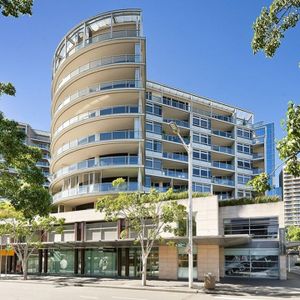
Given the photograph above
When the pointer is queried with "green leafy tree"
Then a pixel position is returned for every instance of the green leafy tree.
(289, 146)
(293, 233)
(25, 235)
(21, 181)
(147, 215)
(271, 25)
(260, 184)
(15, 8)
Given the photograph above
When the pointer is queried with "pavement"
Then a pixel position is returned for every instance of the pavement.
(230, 287)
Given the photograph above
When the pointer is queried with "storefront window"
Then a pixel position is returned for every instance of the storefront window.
(183, 262)
(61, 261)
(260, 263)
(101, 262)
(33, 263)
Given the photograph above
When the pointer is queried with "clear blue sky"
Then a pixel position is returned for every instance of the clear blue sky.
(198, 46)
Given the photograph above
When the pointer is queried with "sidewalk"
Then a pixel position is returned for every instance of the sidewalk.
(228, 286)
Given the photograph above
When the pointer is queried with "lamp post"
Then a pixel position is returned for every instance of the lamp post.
(189, 151)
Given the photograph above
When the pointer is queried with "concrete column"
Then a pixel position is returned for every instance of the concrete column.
(282, 267)
(208, 261)
(168, 262)
(222, 262)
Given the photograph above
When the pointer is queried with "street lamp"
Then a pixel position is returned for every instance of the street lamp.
(189, 151)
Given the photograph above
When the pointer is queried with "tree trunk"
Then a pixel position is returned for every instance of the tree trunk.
(25, 269)
(144, 271)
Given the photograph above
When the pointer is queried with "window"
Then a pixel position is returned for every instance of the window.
(153, 109)
(183, 261)
(149, 95)
(244, 133)
(202, 139)
(175, 103)
(243, 178)
(244, 148)
(153, 163)
(202, 155)
(260, 228)
(201, 188)
(201, 172)
(244, 194)
(153, 145)
(153, 127)
(201, 122)
(244, 164)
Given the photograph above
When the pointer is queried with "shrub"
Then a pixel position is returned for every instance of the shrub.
(244, 201)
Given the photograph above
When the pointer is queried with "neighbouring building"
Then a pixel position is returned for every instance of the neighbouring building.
(291, 197)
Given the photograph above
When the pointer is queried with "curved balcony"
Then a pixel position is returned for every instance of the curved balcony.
(118, 84)
(101, 162)
(97, 188)
(120, 109)
(104, 61)
(98, 137)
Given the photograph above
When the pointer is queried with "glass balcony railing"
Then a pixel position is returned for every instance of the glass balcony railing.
(101, 162)
(257, 171)
(103, 136)
(223, 118)
(104, 61)
(223, 133)
(129, 109)
(118, 84)
(258, 155)
(96, 39)
(95, 188)
(223, 181)
(174, 138)
(222, 165)
(174, 173)
(170, 102)
(42, 164)
(222, 149)
(178, 122)
(175, 156)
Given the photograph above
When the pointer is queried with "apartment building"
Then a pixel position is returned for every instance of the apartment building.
(40, 139)
(109, 121)
(291, 196)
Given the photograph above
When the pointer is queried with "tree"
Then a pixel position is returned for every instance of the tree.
(147, 216)
(293, 233)
(270, 27)
(260, 183)
(21, 181)
(289, 146)
(15, 8)
(25, 235)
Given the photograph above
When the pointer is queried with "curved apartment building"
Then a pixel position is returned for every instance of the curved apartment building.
(98, 99)
(108, 121)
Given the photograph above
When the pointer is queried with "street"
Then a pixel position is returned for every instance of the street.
(36, 291)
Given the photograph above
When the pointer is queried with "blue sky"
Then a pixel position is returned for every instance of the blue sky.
(198, 46)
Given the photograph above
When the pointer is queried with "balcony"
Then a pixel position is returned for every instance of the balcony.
(113, 110)
(222, 165)
(223, 133)
(178, 122)
(104, 61)
(257, 171)
(174, 173)
(101, 162)
(170, 102)
(222, 149)
(96, 188)
(223, 118)
(103, 136)
(118, 84)
(175, 138)
(223, 181)
(175, 156)
(258, 155)
(96, 39)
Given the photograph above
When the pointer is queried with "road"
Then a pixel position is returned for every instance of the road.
(35, 291)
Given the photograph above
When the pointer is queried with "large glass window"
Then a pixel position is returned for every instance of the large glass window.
(153, 145)
(153, 109)
(201, 172)
(257, 263)
(201, 122)
(153, 127)
(244, 164)
(202, 155)
(60, 261)
(153, 163)
(260, 228)
(244, 148)
(101, 262)
(201, 188)
(244, 133)
(202, 139)
(101, 231)
(243, 178)
(33, 263)
(183, 261)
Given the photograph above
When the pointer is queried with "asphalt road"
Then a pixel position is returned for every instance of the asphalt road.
(33, 291)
